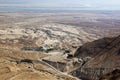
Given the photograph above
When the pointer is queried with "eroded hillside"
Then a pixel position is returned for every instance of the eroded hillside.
(105, 59)
(52, 45)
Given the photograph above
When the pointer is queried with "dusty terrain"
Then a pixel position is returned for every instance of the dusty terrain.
(36, 45)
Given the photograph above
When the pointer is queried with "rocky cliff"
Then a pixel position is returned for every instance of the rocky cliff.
(105, 55)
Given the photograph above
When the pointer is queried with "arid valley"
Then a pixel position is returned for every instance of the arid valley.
(59, 45)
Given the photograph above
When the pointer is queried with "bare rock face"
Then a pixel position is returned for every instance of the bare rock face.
(66, 65)
(114, 75)
(92, 48)
(110, 54)
(105, 60)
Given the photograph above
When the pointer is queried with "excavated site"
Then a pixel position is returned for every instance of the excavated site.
(66, 45)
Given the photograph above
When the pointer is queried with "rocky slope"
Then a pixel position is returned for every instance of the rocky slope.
(105, 58)
(110, 54)
(114, 75)
(93, 48)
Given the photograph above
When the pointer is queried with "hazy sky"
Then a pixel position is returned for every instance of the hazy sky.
(100, 4)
